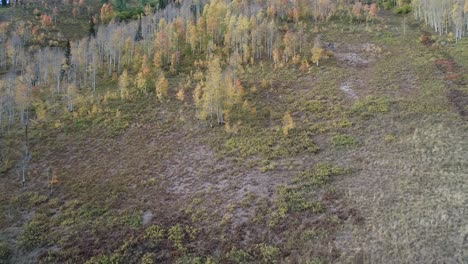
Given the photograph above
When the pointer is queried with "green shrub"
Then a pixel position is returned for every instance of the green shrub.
(115, 258)
(29, 200)
(155, 233)
(239, 255)
(314, 261)
(404, 9)
(320, 174)
(294, 199)
(89, 211)
(130, 13)
(271, 145)
(389, 138)
(190, 259)
(148, 258)
(5, 252)
(134, 220)
(34, 233)
(268, 254)
(177, 236)
(315, 106)
(343, 141)
(388, 5)
(267, 166)
(371, 105)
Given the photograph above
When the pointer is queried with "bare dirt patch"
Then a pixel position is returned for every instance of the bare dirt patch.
(356, 55)
(459, 100)
(348, 90)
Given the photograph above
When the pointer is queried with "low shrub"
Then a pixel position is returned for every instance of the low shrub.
(404, 9)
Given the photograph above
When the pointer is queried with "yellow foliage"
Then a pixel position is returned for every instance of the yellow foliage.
(197, 98)
(317, 54)
(296, 59)
(148, 9)
(157, 60)
(58, 124)
(288, 123)
(141, 82)
(304, 66)
(246, 105)
(124, 83)
(253, 111)
(94, 109)
(54, 180)
(41, 112)
(227, 120)
(162, 87)
(180, 95)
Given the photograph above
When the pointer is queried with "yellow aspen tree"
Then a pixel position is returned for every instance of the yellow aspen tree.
(107, 13)
(145, 69)
(124, 83)
(53, 179)
(264, 84)
(289, 41)
(148, 10)
(213, 94)
(227, 121)
(288, 123)
(276, 57)
(174, 59)
(201, 28)
(317, 51)
(197, 98)
(181, 95)
(140, 82)
(192, 36)
(157, 60)
(162, 87)
(41, 111)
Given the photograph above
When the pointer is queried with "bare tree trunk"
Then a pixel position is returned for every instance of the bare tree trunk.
(26, 158)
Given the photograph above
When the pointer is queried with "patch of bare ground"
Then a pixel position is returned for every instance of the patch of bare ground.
(358, 60)
(459, 100)
(452, 73)
(348, 89)
(355, 55)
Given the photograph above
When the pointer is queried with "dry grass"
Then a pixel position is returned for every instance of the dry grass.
(414, 207)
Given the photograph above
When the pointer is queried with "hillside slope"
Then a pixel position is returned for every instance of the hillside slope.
(374, 169)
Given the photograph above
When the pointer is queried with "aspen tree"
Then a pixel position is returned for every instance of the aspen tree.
(213, 93)
(288, 123)
(180, 95)
(71, 96)
(317, 51)
(197, 98)
(124, 83)
(162, 87)
(140, 82)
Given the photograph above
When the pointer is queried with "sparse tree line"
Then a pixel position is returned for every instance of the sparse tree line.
(232, 33)
(444, 16)
(221, 36)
